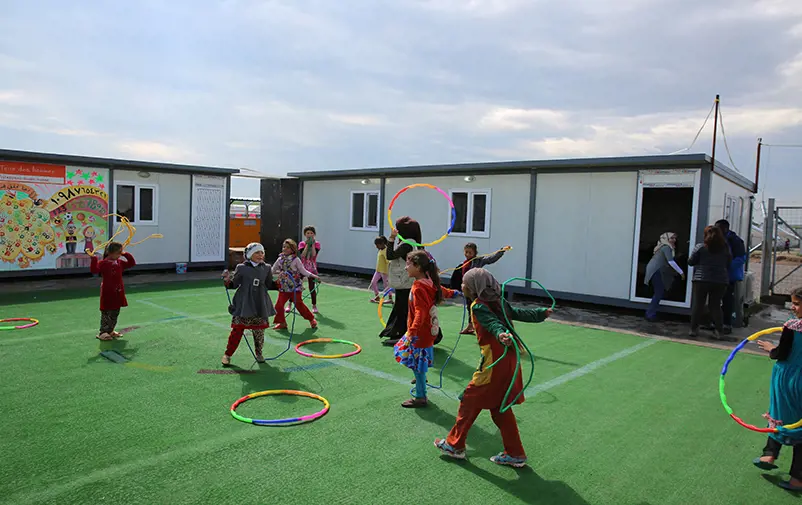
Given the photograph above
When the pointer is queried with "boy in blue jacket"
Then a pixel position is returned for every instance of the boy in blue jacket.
(738, 250)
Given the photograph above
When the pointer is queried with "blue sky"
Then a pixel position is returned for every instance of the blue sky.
(279, 86)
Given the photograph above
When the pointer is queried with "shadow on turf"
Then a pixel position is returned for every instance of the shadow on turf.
(528, 486)
(332, 323)
(121, 346)
(775, 480)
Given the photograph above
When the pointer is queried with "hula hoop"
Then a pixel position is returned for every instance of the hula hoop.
(280, 422)
(412, 242)
(327, 356)
(777, 429)
(381, 302)
(31, 323)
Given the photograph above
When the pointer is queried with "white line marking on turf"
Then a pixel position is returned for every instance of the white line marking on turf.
(584, 370)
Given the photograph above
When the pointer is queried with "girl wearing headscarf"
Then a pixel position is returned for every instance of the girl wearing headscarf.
(661, 270)
(400, 281)
(251, 307)
(487, 388)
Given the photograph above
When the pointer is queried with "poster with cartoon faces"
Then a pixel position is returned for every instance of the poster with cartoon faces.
(50, 214)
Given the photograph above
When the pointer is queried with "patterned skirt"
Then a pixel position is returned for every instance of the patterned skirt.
(310, 264)
(249, 323)
(418, 359)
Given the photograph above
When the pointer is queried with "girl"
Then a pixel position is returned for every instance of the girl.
(290, 272)
(471, 261)
(416, 349)
(785, 395)
(252, 306)
(660, 271)
(382, 266)
(399, 279)
(309, 250)
(112, 289)
(711, 277)
(487, 387)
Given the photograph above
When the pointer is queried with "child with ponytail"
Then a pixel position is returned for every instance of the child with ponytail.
(415, 350)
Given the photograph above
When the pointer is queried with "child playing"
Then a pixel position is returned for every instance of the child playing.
(290, 272)
(415, 349)
(487, 387)
(112, 290)
(308, 250)
(785, 395)
(252, 306)
(471, 261)
(382, 269)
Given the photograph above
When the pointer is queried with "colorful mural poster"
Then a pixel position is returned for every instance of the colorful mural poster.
(50, 214)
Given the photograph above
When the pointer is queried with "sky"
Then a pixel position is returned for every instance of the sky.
(289, 86)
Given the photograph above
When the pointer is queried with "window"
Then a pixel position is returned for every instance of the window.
(137, 202)
(365, 210)
(473, 212)
(733, 210)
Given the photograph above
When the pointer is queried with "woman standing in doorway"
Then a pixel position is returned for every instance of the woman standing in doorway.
(711, 262)
(661, 270)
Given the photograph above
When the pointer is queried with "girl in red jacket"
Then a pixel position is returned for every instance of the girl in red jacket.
(415, 349)
(112, 290)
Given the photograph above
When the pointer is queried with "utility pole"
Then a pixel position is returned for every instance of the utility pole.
(715, 134)
(757, 164)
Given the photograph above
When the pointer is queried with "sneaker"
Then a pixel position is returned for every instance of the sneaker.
(104, 337)
(313, 323)
(116, 334)
(448, 450)
(503, 458)
(314, 310)
(260, 358)
(226, 360)
(288, 310)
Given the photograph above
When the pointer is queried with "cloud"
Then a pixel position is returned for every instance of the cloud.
(299, 85)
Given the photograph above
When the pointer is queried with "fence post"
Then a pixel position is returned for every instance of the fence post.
(766, 253)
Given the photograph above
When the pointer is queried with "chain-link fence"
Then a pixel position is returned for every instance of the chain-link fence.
(786, 268)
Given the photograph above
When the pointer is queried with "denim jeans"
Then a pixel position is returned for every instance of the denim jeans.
(659, 292)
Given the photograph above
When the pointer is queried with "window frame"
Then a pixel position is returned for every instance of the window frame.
(469, 217)
(138, 200)
(365, 210)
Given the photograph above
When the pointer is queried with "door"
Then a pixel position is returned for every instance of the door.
(667, 202)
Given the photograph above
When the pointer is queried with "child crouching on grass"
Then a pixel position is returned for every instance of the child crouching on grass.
(487, 388)
(251, 307)
(112, 289)
(415, 349)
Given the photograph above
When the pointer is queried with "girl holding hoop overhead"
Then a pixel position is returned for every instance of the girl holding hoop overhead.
(290, 273)
(488, 386)
(112, 289)
(785, 395)
(400, 281)
(251, 307)
(415, 350)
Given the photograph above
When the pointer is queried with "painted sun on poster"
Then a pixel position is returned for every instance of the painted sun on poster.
(50, 214)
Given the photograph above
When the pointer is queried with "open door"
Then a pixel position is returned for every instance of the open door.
(667, 202)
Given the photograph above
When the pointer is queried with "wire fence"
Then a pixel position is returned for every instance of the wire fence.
(786, 269)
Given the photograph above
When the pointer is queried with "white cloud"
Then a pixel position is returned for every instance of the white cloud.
(156, 151)
(522, 119)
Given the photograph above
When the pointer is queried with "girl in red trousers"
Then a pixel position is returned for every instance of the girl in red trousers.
(112, 290)
(290, 272)
(252, 307)
(487, 387)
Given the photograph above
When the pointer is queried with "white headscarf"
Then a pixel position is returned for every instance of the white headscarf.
(665, 239)
(251, 248)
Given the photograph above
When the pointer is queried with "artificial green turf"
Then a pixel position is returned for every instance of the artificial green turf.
(647, 428)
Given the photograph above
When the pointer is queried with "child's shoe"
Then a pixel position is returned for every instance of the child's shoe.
(414, 403)
(226, 361)
(279, 326)
(503, 458)
(288, 309)
(260, 358)
(314, 309)
(375, 299)
(104, 337)
(448, 450)
(116, 334)
(313, 323)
